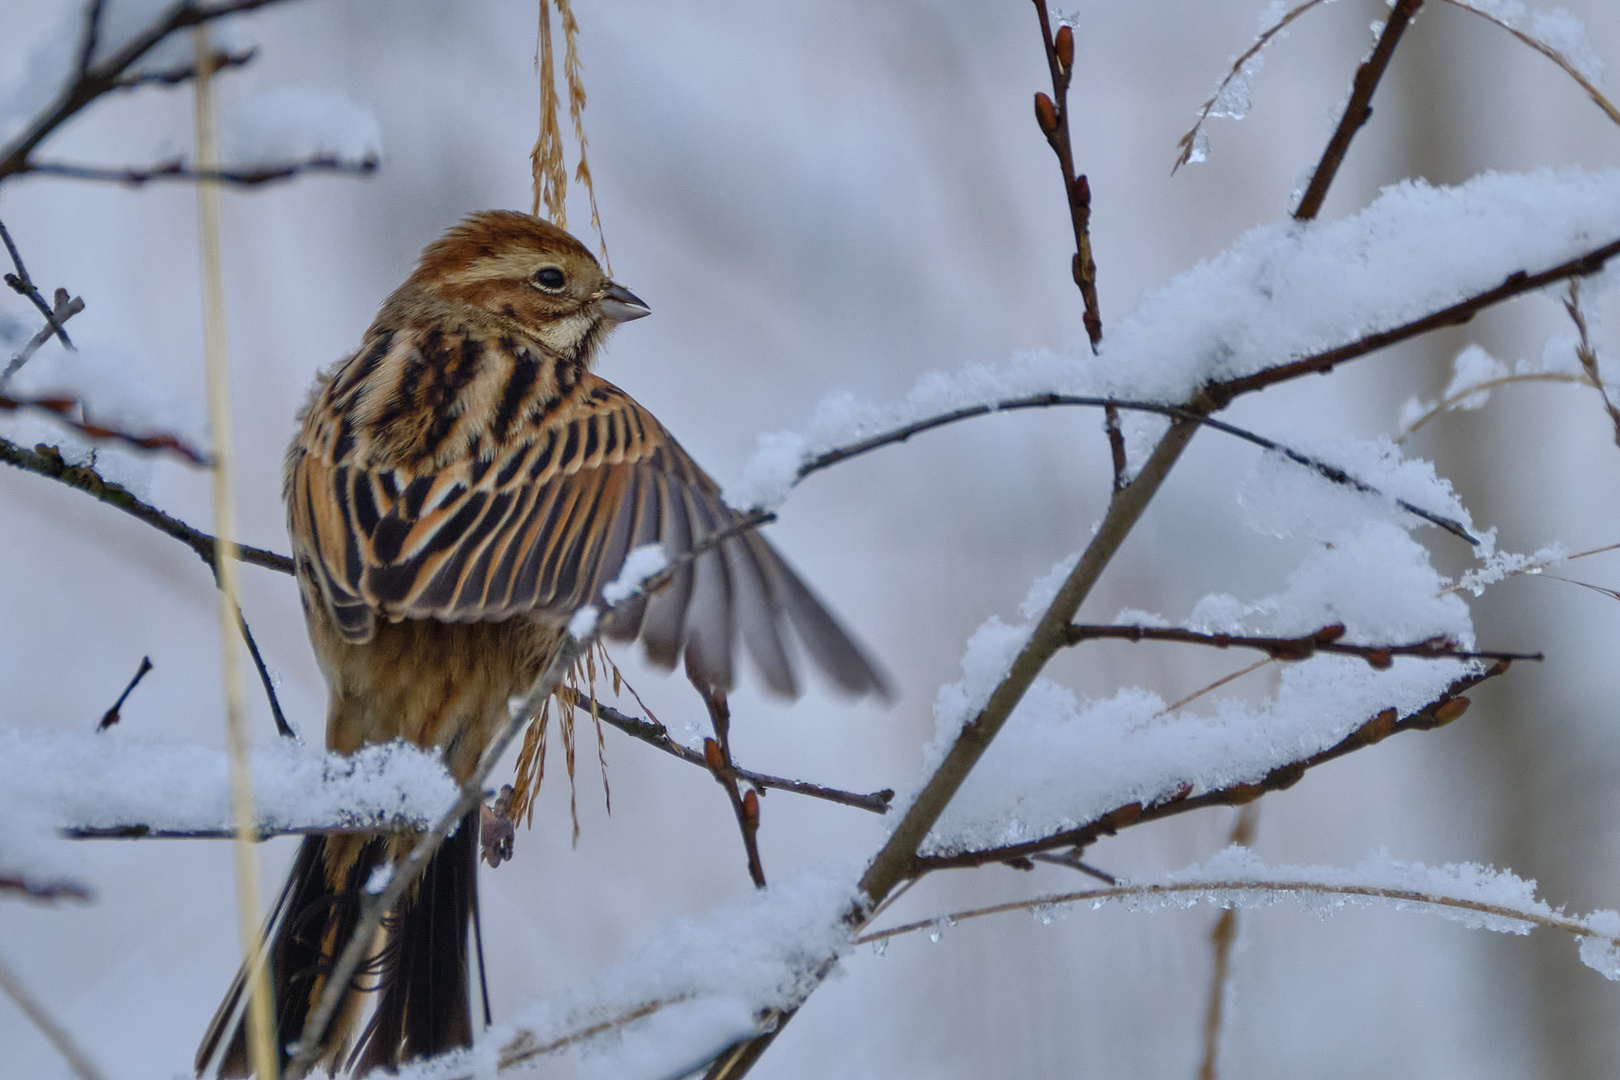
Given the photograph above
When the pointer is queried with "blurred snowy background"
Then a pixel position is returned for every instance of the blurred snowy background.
(841, 197)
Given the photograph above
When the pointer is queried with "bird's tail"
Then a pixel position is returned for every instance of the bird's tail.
(420, 976)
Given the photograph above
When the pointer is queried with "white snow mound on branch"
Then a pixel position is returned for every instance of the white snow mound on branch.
(709, 977)
(1281, 292)
(1060, 763)
(52, 780)
(296, 123)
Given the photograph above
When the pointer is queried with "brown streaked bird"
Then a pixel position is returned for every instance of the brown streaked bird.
(457, 489)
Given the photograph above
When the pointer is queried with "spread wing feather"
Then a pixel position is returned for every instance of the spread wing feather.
(539, 529)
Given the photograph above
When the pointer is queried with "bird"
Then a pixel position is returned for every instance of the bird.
(458, 488)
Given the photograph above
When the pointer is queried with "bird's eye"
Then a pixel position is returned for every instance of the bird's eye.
(549, 278)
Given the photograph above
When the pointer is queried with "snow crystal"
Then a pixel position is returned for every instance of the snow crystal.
(710, 975)
(1232, 100)
(583, 624)
(1558, 30)
(52, 780)
(1601, 950)
(1498, 566)
(1283, 291)
(296, 123)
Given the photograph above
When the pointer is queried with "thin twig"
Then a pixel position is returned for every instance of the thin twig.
(1445, 708)
(1327, 471)
(47, 461)
(62, 410)
(1358, 111)
(1052, 115)
(1447, 404)
(177, 170)
(655, 734)
(1189, 142)
(717, 755)
(174, 76)
(23, 285)
(65, 308)
(111, 717)
(47, 891)
(1515, 284)
(91, 35)
(1325, 640)
(1550, 53)
(1216, 685)
(1305, 887)
(259, 833)
(54, 1033)
(106, 76)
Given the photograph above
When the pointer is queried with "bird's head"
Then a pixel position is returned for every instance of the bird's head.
(520, 268)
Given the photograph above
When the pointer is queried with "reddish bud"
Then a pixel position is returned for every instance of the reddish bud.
(712, 756)
(1450, 710)
(1065, 47)
(1378, 728)
(1045, 113)
(1380, 659)
(751, 808)
(1329, 634)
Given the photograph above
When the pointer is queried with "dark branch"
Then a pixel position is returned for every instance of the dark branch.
(717, 756)
(66, 307)
(177, 170)
(1325, 640)
(47, 461)
(1515, 284)
(99, 79)
(111, 717)
(186, 72)
(62, 409)
(1358, 111)
(23, 285)
(1437, 713)
(91, 36)
(398, 827)
(44, 890)
(1174, 412)
(655, 734)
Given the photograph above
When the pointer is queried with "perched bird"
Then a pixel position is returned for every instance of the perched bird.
(457, 489)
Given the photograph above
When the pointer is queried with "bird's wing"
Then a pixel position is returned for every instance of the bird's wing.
(540, 527)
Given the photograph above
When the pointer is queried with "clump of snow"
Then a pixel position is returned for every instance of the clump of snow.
(1280, 498)
(53, 780)
(710, 976)
(583, 624)
(1472, 367)
(1498, 566)
(1061, 762)
(296, 123)
(1283, 291)
(1045, 588)
(642, 563)
(118, 390)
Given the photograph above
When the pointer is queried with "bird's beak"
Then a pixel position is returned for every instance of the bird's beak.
(619, 304)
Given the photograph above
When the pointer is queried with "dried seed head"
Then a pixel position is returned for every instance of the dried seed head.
(1045, 113)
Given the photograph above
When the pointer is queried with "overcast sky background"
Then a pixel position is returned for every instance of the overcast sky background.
(844, 196)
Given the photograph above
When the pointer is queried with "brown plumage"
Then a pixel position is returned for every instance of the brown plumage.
(458, 488)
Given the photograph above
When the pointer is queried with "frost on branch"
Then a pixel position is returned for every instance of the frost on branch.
(1283, 291)
(50, 781)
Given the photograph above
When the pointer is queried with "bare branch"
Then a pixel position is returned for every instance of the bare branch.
(178, 170)
(655, 734)
(717, 755)
(185, 72)
(1322, 468)
(64, 310)
(1515, 284)
(48, 891)
(61, 409)
(23, 285)
(1358, 111)
(111, 717)
(1441, 711)
(99, 79)
(47, 461)
(1325, 640)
